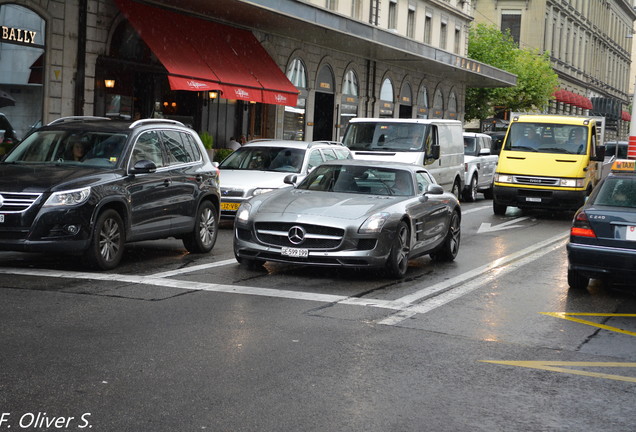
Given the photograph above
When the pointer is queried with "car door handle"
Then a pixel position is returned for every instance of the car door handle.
(167, 182)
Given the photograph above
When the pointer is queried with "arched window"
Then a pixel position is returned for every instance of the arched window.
(422, 103)
(386, 98)
(406, 101)
(452, 106)
(350, 101)
(294, 119)
(350, 84)
(438, 104)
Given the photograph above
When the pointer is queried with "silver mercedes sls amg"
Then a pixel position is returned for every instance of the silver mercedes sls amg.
(351, 213)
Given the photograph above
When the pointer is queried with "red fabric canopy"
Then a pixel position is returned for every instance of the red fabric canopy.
(626, 116)
(571, 98)
(202, 55)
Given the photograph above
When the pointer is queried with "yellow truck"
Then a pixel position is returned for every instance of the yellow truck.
(548, 162)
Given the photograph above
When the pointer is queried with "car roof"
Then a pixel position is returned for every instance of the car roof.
(375, 164)
(104, 124)
(476, 134)
(292, 144)
(401, 120)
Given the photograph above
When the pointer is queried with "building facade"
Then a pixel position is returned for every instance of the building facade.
(263, 68)
(590, 44)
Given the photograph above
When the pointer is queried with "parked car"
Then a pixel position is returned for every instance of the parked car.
(480, 165)
(603, 235)
(88, 185)
(351, 213)
(261, 166)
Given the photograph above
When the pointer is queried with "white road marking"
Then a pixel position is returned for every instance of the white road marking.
(476, 209)
(434, 296)
(486, 227)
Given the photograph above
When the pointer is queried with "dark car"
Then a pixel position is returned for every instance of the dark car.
(89, 185)
(603, 235)
(351, 213)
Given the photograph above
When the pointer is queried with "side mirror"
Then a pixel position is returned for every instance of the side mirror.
(143, 167)
(434, 189)
(290, 179)
(435, 152)
(600, 154)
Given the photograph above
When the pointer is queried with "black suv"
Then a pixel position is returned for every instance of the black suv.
(88, 185)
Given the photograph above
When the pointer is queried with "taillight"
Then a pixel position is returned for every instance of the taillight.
(581, 226)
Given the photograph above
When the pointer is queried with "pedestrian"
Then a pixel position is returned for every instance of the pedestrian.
(242, 140)
(233, 144)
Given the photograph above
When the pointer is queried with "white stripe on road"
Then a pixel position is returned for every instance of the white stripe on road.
(407, 306)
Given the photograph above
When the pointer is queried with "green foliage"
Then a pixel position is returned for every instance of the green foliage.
(220, 154)
(536, 80)
(207, 140)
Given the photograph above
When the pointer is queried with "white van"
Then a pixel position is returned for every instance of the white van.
(435, 144)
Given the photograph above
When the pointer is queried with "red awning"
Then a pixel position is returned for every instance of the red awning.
(625, 116)
(202, 55)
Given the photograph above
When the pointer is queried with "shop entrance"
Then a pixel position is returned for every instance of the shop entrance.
(323, 117)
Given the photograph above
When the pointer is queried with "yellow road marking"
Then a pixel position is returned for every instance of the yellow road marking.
(570, 317)
(554, 367)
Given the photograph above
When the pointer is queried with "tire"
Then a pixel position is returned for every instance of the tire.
(398, 261)
(577, 281)
(470, 191)
(455, 190)
(206, 229)
(107, 241)
(488, 193)
(498, 209)
(449, 249)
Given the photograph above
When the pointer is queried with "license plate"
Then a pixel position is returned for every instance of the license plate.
(294, 252)
(533, 199)
(1, 218)
(631, 233)
(230, 206)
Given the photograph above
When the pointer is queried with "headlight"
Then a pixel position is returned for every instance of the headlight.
(68, 198)
(260, 191)
(374, 223)
(572, 183)
(504, 178)
(243, 213)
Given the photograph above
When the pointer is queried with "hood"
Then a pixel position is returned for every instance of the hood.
(248, 179)
(542, 164)
(316, 203)
(42, 178)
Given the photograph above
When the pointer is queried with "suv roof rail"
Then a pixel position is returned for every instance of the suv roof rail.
(337, 143)
(259, 140)
(154, 120)
(76, 118)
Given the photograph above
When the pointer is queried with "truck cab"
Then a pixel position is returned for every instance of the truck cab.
(548, 162)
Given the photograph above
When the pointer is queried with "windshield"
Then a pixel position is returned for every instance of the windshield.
(374, 136)
(359, 180)
(618, 192)
(278, 159)
(72, 148)
(547, 138)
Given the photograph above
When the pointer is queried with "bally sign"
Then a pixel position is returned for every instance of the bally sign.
(18, 35)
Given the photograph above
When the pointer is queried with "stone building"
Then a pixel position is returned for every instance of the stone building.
(590, 44)
(263, 68)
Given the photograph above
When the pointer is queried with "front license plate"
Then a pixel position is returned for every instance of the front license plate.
(533, 199)
(230, 206)
(631, 233)
(294, 252)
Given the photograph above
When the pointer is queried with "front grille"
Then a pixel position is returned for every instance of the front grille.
(12, 202)
(539, 181)
(316, 236)
(231, 193)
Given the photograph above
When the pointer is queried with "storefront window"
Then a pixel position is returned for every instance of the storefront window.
(438, 104)
(22, 39)
(406, 101)
(349, 103)
(294, 120)
(386, 98)
(422, 103)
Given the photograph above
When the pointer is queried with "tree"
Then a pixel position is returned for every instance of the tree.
(536, 80)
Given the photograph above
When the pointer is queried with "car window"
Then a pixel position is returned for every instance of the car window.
(148, 147)
(315, 159)
(176, 152)
(423, 181)
(329, 154)
(618, 192)
(359, 180)
(342, 153)
(191, 146)
(470, 146)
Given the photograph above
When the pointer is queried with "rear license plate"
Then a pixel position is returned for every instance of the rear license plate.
(1, 218)
(294, 252)
(230, 206)
(533, 199)
(631, 233)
